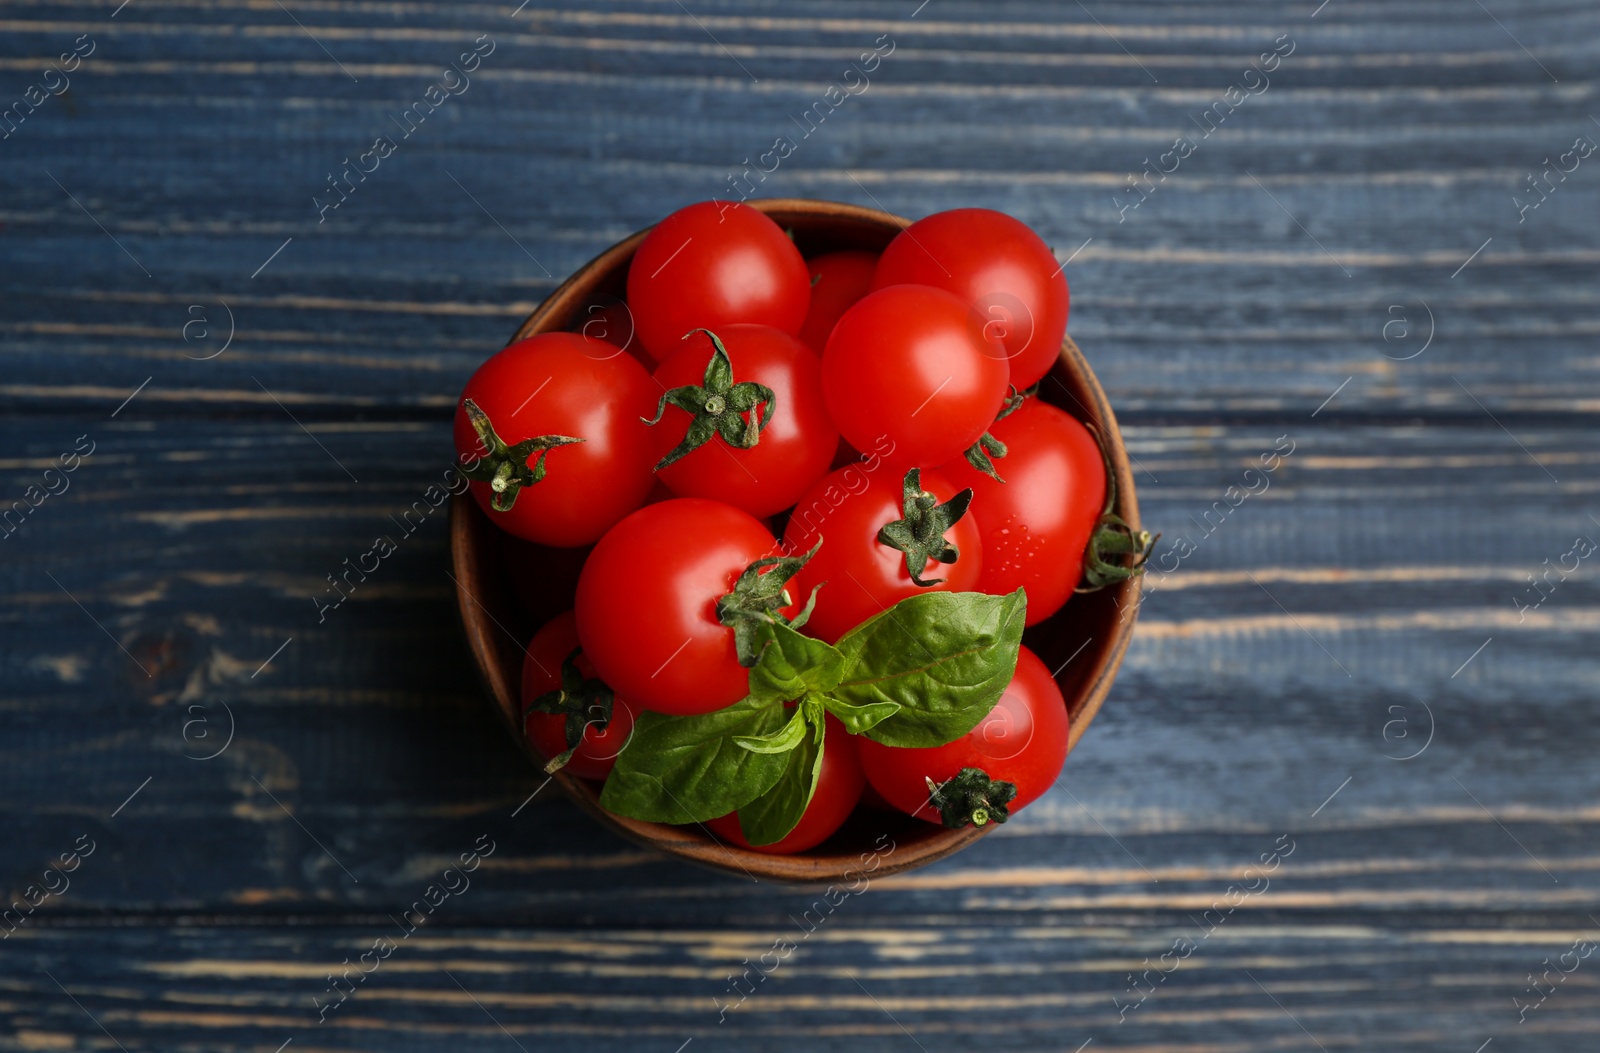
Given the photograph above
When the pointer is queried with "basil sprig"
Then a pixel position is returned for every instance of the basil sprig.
(690, 769)
(922, 673)
(772, 815)
(941, 659)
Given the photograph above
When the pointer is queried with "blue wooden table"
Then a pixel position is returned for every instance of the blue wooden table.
(1344, 794)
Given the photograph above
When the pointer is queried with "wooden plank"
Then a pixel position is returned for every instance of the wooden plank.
(1388, 554)
(1349, 662)
(841, 981)
(1395, 146)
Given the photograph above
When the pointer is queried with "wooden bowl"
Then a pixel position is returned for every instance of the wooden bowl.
(506, 589)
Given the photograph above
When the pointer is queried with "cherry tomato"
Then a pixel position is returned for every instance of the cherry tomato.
(796, 439)
(542, 673)
(647, 600)
(838, 280)
(715, 264)
(909, 362)
(839, 786)
(1037, 523)
(998, 265)
(1022, 741)
(863, 575)
(563, 387)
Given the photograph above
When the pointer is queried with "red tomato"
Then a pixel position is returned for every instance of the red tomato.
(563, 385)
(909, 363)
(864, 576)
(714, 264)
(797, 439)
(1037, 523)
(647, 604)
(998, 265)
(838, 280)
(1022, 741)
(839, 786)
(541, 673)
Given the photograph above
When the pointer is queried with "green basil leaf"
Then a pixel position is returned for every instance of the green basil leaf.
(860, 718)
(944, 658)
(690, 769)
(793, 665)
(770, 817)
(781, 741)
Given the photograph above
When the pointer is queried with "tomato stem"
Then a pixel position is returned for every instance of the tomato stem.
(1113, 538)
(505, 467)
(583, 700)
(981, 454)
(920, 535)
(717, 406)
(757, 600)
(971, 798)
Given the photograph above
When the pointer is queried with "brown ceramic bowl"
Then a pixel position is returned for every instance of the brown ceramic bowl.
(506, 589)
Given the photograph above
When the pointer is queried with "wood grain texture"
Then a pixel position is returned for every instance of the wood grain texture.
(1317, 630)
(1272, 983)
(226, 532)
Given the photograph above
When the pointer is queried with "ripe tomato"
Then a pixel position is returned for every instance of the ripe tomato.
(838, 280)
(998, 265)
(847, 509)
(796, 439)
(909, 362)
(839, 786)
(647, 599)
(542, 669)
(551, 391)
(1037, 523)
(711, 265)
(1022, 741)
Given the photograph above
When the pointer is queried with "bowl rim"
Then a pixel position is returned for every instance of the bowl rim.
(468, 524)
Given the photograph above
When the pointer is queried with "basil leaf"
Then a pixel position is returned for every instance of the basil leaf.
(944, 658)
(860, 718)
(770, 817)
(781, 741)
(791, 665)
(690, 769)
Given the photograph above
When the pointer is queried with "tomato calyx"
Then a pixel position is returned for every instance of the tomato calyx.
(920, 535)
(584, 701)
(758, 596)
(718, 406)
(971, 798)
(981, 454)
(505, 467)
(1113, 539)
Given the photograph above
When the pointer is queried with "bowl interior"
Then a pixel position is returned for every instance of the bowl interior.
(507, 588)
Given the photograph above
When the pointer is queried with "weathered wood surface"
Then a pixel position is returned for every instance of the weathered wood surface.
(1317, 632)
(949, 981)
